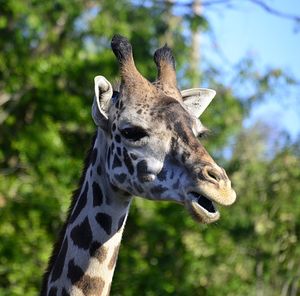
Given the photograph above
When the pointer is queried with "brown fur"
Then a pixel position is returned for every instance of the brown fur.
(90, 285)
(114, 257)
(101, 254)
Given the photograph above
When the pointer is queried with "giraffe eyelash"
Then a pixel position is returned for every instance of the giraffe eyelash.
(134, 133)
(204, 133)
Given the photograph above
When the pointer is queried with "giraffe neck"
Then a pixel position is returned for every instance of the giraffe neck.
(85, 259)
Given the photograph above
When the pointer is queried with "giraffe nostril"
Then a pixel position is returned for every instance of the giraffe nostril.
(212, 174)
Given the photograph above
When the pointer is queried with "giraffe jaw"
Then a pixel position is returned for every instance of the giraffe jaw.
(201, 208)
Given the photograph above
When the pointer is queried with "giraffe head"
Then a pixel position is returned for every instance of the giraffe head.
(152, 131)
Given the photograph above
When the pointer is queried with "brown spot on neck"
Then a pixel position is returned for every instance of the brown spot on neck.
(91, 285)
(113, 259)
(98, 251)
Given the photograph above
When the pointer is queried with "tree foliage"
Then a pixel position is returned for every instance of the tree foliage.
(49, 54)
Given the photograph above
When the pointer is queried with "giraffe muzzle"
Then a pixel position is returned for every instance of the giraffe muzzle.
(212, 187)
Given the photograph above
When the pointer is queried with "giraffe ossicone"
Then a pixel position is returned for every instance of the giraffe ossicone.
(146, 145)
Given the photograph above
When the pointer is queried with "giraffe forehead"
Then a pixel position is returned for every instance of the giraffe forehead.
(155, 110)
(174, 115)
(145, 98)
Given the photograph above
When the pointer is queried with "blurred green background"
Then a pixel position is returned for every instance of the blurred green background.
(50, 52)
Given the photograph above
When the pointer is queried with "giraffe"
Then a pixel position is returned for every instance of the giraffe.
(145, 145)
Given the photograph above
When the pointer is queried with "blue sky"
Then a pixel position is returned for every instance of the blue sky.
(272, 41)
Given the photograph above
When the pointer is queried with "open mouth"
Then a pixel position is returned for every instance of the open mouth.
(204, 202)
(202, 208)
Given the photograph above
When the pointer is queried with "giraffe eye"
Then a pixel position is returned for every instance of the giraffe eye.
(203, 134)
(134, 133)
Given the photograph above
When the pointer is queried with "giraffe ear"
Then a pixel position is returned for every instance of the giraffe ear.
(196, 100)
(102, 101)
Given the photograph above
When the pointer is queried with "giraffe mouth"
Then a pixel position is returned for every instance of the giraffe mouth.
(202, 208)
(204, 202)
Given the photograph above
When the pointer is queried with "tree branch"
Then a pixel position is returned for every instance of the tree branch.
(213, 2)
(4, 98)
(273, 11)
(14, 99)
(259, 3)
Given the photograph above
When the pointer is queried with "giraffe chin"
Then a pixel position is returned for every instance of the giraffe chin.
(202, 209)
